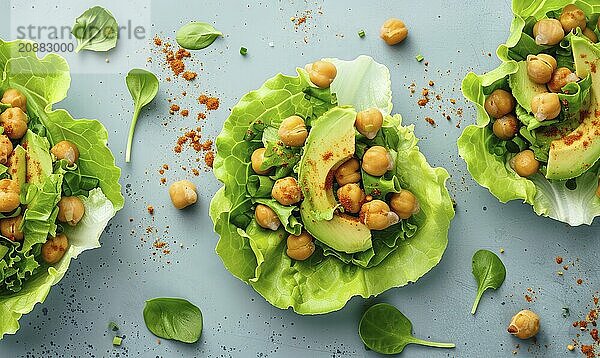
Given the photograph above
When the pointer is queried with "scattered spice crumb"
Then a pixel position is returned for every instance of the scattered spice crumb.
(150, 209)
(185, 113)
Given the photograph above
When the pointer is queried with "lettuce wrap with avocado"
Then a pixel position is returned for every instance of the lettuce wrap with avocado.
(566, 148)
(58, 181)
(318, 251)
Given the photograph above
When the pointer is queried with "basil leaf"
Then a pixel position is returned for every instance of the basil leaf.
(489, 272)
(173, 318)
(384, 329)
(143, 87)
(196, 35)
(96, 30)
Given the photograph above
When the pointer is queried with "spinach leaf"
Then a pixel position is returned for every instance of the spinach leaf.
(489, 272)
(173, 318)
(384, 329)
(196, 35)
(96, 30)
(143, 86)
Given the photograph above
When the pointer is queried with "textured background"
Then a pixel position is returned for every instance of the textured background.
(111, 283)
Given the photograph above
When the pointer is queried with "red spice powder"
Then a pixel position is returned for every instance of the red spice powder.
(559, 260)
(185, 113)
(189, 75)
(209, 158)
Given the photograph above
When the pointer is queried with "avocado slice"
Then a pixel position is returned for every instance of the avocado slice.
(576, 152)
(329, 144)
(524, 89)
(39, 161)
(17, 165)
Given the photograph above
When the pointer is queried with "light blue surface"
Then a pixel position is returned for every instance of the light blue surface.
(111, 283)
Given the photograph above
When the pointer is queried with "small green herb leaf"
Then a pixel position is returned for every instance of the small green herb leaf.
(243, 51)
(196, 35)
(117, 341)
(361, 33)
(143, 86)
(489, 272)
(384, 329)
(96, 30)
(173, 318)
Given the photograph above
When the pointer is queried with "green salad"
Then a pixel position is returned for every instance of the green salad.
(326, 195)
(59, 185)
(537, 136)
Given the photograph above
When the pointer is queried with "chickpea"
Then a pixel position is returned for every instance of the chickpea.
(183, 194)
(377, 161)
(6, 149)
(351, 197)
(9, 195)
(321, 73)
(405, 204)
(257, 159)
(506, 127)
(560, 78)
(292, 131)
(377, 215)
(393, 31)
(368, 122)
(70, 210)
(525, 324)
(266, 217)
(15, 98)
(525, 164)
(545, 106)
(348, 172)
(300, 247)
(10, 228)
(548, 32)
(65, 150)
(54, 248)
(572, 17)
(14, 121)
(499, 103)
(540, 68)
(591, 35)
(286, 191)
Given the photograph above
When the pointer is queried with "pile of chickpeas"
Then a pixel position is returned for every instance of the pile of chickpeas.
(375, 214)
(14, 120)
(541, 69)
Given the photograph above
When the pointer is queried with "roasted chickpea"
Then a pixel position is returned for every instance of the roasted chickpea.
(548, 32)
(377, 161)
(70, 210)
(257, 159)
(9, 195)
(15, 98)
(506, 127)
(348, 172)
(393, 31)
(65, 150)
(376, 215)
(524, 324)
(286, 191)
(499, 103)
(183, 194)
(266, 217)
(368, 122)
(405, 204)
(54, 248)
(560, 78)
(525, 164)
(300, 247)
(540, 68)
(545, 106)
(292, 131)
(10, 228)
(14, 121)
(351, 197)
(321, 73)
(572, 17)
(6, 149)
(590, 34)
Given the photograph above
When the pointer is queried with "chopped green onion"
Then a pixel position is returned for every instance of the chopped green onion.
(419, 57)
(361, 33)
(117, 341)
(243, 51)
(113, 326)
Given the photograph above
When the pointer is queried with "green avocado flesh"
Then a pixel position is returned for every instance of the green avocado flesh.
(576, 152)
(329, 144)
(17, 169)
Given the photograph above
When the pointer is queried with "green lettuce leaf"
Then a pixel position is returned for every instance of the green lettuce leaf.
(285, 215)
